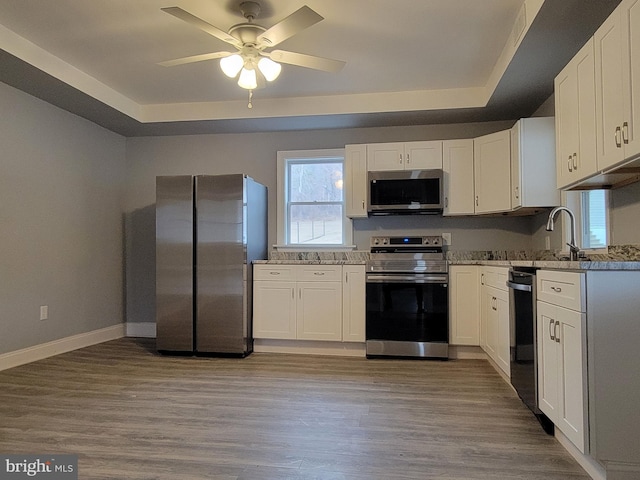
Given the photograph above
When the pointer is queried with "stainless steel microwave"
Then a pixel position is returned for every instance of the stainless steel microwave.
(405, 192)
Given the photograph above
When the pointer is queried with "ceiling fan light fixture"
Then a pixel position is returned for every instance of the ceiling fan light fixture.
(248, 79)
(231, 65)
(269, 68)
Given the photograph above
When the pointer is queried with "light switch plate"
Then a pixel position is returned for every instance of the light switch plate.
(44, 312)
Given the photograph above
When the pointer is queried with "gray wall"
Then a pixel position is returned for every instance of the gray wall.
(61, 223)
(625, 215)
(255, 155)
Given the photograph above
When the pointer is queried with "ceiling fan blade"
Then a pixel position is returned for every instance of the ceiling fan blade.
(201, 24)
(194, 58)
(308, 61)
(294, 23)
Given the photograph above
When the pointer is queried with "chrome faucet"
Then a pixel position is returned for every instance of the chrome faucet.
(574, 251)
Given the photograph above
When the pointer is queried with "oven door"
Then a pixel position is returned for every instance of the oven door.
(407, 315)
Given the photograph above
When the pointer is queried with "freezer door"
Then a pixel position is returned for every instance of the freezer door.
(174, 263)
(220, 261)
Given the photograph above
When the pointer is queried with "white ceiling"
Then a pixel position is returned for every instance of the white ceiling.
(404, 58)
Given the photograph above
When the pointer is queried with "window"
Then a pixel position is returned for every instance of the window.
(591, 209)
(311, 211)
(594, 207)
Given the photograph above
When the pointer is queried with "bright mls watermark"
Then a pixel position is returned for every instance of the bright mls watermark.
(49, 467)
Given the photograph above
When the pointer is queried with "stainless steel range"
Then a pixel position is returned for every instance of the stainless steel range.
(407, 298)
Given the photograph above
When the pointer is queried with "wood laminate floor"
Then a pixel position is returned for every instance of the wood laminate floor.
(130, 413)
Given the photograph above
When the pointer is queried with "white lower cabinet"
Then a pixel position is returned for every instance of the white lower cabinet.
(319, 311)
(561, 337)
(353, 303)
(464, 305)
(305, 302)
(494, 316)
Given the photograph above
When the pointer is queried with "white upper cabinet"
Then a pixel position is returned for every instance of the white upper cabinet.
(404, 156)
(457, 166)
(617, 67)
(355, 180)
(575, 102)
(533, 164)
(492, 172)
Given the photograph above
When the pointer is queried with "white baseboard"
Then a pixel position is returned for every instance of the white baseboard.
(309, 347)
(145, 329)
(591, 466)
(63, 345)
(464, 352)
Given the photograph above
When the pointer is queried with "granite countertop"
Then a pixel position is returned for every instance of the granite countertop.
(618, 257)
(555, 264)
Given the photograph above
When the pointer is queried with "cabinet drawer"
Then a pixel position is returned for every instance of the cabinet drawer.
(495, 277)
(319, 273)
(565, 289)
(283, 273)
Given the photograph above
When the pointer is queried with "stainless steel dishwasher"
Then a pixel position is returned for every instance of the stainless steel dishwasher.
(523, 345)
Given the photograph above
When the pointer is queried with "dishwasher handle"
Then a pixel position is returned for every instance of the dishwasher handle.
(519, 286)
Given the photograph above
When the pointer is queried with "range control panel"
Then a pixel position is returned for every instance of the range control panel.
(428, 241)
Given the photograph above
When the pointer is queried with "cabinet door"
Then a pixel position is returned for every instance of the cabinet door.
(491, 322)
(355, 180)
(492, 172)
(609, 100)
(631, 76)
(503, 339)
(566, 104)
(319, 311)
(457, 165)
(569, 340)
(423, 155)
(547, 360)
(576, 118)
(464, 304)
(353, 303)
(274, 310)
(385, 156)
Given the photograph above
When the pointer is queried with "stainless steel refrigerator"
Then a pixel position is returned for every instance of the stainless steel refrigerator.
(209, 228)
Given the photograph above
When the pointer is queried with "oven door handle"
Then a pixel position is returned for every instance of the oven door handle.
(519, 286)
(407, 278)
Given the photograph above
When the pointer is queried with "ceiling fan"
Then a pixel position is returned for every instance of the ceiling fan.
(252, 63)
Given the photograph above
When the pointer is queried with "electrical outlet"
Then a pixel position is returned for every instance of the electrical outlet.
(44, 312)
(446, 238)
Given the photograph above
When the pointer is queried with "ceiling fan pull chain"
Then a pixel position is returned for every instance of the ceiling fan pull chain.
(250, 99)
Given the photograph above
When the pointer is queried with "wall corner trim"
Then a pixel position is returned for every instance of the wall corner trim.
(62, 345)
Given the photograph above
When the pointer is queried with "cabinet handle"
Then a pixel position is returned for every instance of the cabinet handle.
(570, 164)
(495, 304)
(575, 161)
(318, 273)
(408, 159)
(555, 330)
(517, 192)
(274, 273)
(556, 289)
(346, 277)
(446, 202)
(482, 278)
(618, 136)
(293, 294)
(400, 159)
(363, 204)
(625, 133)
(552, 329)
(476, 200)
(300, 294)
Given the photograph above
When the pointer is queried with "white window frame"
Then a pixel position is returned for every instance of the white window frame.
(573, 200)
(282, 185)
